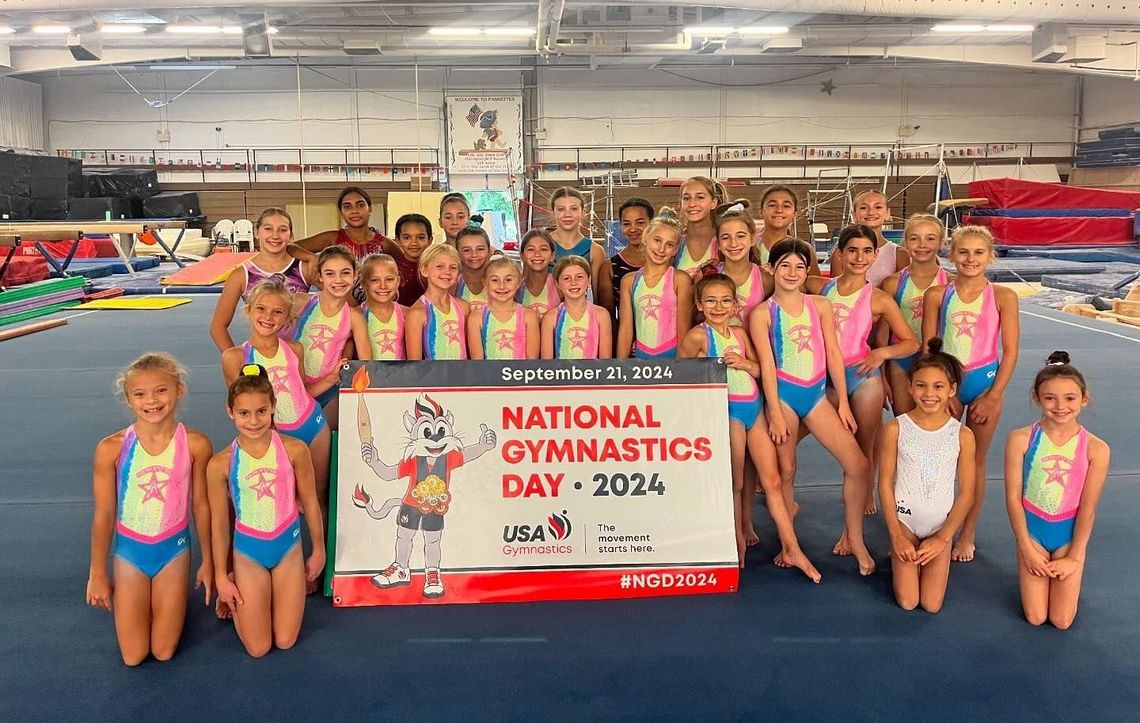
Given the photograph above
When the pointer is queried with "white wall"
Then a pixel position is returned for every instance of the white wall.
(1111, 101)
(21, 115)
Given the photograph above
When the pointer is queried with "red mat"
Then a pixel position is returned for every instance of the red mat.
(24, 269)
(1013, 193)
(1057, 231)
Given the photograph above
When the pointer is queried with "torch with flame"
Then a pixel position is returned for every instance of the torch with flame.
(360, 382)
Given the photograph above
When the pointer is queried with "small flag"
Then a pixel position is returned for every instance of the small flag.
(473, 114)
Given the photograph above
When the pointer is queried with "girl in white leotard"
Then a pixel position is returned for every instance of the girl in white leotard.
(921, 453)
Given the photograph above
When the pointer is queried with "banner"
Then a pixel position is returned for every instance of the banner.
(484, 134)
(499, 481)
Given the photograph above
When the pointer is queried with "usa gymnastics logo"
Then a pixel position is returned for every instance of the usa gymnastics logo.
(549, 538)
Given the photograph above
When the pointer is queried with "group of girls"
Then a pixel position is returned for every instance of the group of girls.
(804, 355)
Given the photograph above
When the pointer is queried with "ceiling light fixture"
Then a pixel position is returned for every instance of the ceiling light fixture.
(710, 31)
(455, 32)
(6, 30)
(510, 32)
(1009, 28)
(974, 28)
(194, 29)
(122, 29)
(231, 30)
(51, 29)
(762, 30)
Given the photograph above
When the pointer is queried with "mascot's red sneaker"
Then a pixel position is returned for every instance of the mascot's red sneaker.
(393, 575)
(433, 586)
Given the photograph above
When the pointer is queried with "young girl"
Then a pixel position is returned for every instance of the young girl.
(453, 216)
(567, 205)
(143, 502)
(274, 230)
(923, 236)
(970, 314)
(538, 290)
(435, 326)
(699, 197)
(778, 207)
(920, 455)
(474, 250)
(634, 215)
(718, 337)
(798, 349)
(330, 330)
(296, 412)
(575, 329)
(1054, 475)
(656, 302)
(857, 306)
(504, 329)
(735, 233)
(261, 477)
(413, 231)
(872, 209)
(383, 315)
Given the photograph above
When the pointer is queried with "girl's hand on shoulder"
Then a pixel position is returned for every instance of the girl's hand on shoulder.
(228, 593)
(205, 578)
(902, 549)
(99, 592)
(846, 417)
(929, 549)
(1034, 561)
(1064, 567)
(315, 564)
(985, 407)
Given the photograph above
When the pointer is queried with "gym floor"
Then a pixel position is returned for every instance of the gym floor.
(780, 648)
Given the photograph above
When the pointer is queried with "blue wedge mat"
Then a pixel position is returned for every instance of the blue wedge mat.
(117, 265)
(89, 270)
(1099, 284)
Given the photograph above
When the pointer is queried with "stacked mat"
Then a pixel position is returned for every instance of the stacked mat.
(1031, 213)
(1113, 147)
(37, 187)
(38, 299)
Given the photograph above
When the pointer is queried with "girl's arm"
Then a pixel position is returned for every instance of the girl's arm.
(306, 247)
(769, 281)
(902, 259)
(931, 311)
(603, 279)
(605, 333)
(533, 334)
(625, 318)
(414, 321)
(232, 359)
(901, 547)
(200, 453)
(990, 402)
(1099, 455)
(474, 337)
(692, 345)
(814, 284)
(758, 323)
(224, 311)
(835, 368)
(363, 347)
(217, 489)
(745, 362)
(103, 520)
(302, 462)
(1029, 555)
(683, 288)
(934, 545)
(884, 307)
(548, 321)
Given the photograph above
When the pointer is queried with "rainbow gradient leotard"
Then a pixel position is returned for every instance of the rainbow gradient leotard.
(504, 339)
(386, 337)
(801, 356)
(853, 320)
(296, 412)
(445, 332)
(576, 338)
(323, 338)
(970, 330)
(749, 295)
(654, 316)
(264, 494)
(685, 262)
(743, 392)
(909, 298)
(1052, 481)
(542, 302)
(153, 502)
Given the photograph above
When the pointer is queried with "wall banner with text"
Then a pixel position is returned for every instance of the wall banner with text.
(497, 481)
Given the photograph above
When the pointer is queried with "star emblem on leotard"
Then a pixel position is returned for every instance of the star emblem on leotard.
(154, 488)
(538, 307)
(385, 340)
(915, 307)
(1056, 468)
(801, 337)
(964, 323)
(263, 486)
(651, 304)
(841, 312)
(278, 378)
(320, 336)
(450, 330)
(504, 338)
(577, 337)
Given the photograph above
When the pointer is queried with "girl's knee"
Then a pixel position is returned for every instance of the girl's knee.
(134, 658)
(1062, 621)
(284, 641)
(907, 601)
(258, 648)
(164, 651)
(1036, 618)
(932, 606)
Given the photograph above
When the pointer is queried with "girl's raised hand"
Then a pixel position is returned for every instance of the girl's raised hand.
(205, 578)
(228, 593)
(99, 592)
(315, 564)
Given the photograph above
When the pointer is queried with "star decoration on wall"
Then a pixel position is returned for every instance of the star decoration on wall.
(827, 86)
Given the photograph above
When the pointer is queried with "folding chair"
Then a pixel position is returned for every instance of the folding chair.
(243, 235)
